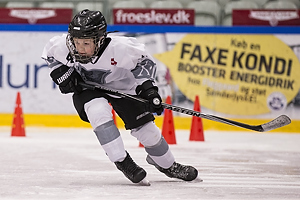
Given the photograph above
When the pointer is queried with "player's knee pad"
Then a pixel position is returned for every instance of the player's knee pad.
(98, 111)
(111, 141)
(148, 134)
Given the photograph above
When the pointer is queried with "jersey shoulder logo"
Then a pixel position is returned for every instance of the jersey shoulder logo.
(113, 62)
(145, 68)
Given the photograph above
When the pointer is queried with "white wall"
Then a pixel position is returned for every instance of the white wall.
(21, 54)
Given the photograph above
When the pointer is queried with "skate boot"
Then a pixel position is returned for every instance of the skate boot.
(183, 172)
(131, 170)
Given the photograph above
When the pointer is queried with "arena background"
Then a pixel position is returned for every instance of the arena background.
(22, 70)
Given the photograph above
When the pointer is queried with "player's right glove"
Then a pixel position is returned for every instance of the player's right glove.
(67, 78)
(150, 92)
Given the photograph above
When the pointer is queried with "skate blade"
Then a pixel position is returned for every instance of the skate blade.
(197, 180)
(144, 182)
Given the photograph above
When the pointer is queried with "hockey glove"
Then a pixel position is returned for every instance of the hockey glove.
(67, 79)
(150, 92)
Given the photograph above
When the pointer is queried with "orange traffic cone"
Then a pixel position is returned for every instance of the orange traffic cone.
(196, 133)
(140, 145)
(168, 130)
(113, 114)
(18, 128)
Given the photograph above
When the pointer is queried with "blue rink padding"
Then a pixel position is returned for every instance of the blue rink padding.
(161, 29)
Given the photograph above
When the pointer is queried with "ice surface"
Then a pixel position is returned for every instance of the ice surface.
(60, 163)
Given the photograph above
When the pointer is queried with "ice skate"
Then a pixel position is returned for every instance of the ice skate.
(132, 171)
(183, 172)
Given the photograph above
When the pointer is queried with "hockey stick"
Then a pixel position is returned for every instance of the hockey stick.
(280, 121)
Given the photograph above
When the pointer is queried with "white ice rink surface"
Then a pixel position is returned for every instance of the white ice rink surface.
(64, 164)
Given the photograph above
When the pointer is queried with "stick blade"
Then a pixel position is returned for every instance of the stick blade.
(280, 121)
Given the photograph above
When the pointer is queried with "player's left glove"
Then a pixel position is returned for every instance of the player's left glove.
(150, 92)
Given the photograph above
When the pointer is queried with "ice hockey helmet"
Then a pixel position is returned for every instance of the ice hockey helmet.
(87, 24)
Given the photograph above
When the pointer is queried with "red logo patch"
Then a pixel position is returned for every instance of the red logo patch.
(113, 62)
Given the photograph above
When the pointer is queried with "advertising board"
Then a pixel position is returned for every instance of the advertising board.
(35, 15)
(239, 76)
(265, 17)
(154, 16)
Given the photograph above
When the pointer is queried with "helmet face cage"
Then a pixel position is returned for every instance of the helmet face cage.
(83, 58)
(86, 25)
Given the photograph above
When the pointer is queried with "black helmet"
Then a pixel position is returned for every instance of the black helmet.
(86, 24)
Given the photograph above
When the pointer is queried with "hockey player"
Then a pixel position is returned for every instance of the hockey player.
(86, 53)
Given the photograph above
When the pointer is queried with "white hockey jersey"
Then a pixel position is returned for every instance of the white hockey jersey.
(123, 65)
